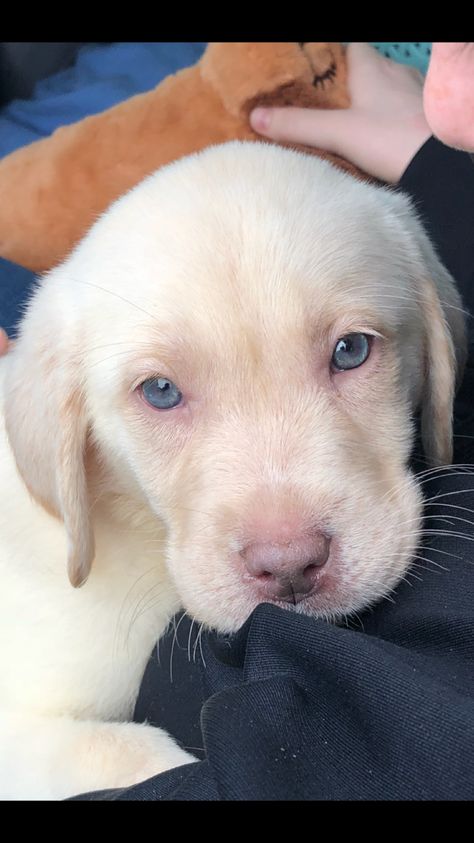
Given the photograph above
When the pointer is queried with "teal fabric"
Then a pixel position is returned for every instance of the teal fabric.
(416, 55)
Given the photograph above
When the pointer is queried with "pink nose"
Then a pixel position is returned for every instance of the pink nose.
(287, 571)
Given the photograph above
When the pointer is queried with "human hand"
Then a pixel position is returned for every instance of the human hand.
(448, 95)
(4, 342)
(381, 131)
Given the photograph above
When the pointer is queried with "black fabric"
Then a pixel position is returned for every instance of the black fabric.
(295, 708)
(440, 180)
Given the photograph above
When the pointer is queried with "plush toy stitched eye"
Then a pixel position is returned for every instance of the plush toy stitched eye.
(161, 393)
(327, 76)
(351, 351)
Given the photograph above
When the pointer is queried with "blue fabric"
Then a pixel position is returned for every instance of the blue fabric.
(16, 284)
(415, 54)
(103, 76)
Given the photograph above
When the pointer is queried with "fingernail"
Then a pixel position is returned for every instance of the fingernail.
(260, 119)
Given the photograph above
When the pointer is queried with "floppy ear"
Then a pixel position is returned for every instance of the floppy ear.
(46, 419)
(446, 350)
(444, 331)
(440, 378)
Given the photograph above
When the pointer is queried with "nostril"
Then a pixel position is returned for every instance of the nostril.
(288, 585)
(303, 580)
(300, 556)
(287, 571)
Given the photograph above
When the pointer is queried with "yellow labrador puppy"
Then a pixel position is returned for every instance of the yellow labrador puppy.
(211, 404)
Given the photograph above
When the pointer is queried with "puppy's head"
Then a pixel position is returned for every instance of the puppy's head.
(244, 339)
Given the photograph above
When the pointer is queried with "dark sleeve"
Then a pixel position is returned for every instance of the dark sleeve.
(440, 180)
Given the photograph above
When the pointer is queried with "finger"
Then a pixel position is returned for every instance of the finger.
(4, 342)
(365, 63)
(361, 51)
(308, 126)
(362, 58)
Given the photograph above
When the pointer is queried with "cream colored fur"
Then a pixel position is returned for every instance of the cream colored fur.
(233, 273)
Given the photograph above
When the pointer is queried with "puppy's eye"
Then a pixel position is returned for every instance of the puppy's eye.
(351, 351)
(161, 393)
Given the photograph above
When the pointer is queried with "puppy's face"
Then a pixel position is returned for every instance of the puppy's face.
(249, 334)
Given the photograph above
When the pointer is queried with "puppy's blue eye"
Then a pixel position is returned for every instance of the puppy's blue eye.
(351, 351)
(161, 393)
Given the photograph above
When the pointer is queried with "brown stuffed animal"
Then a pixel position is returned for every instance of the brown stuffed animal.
(53, 190)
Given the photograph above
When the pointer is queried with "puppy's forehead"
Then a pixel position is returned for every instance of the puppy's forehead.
(247, 233)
